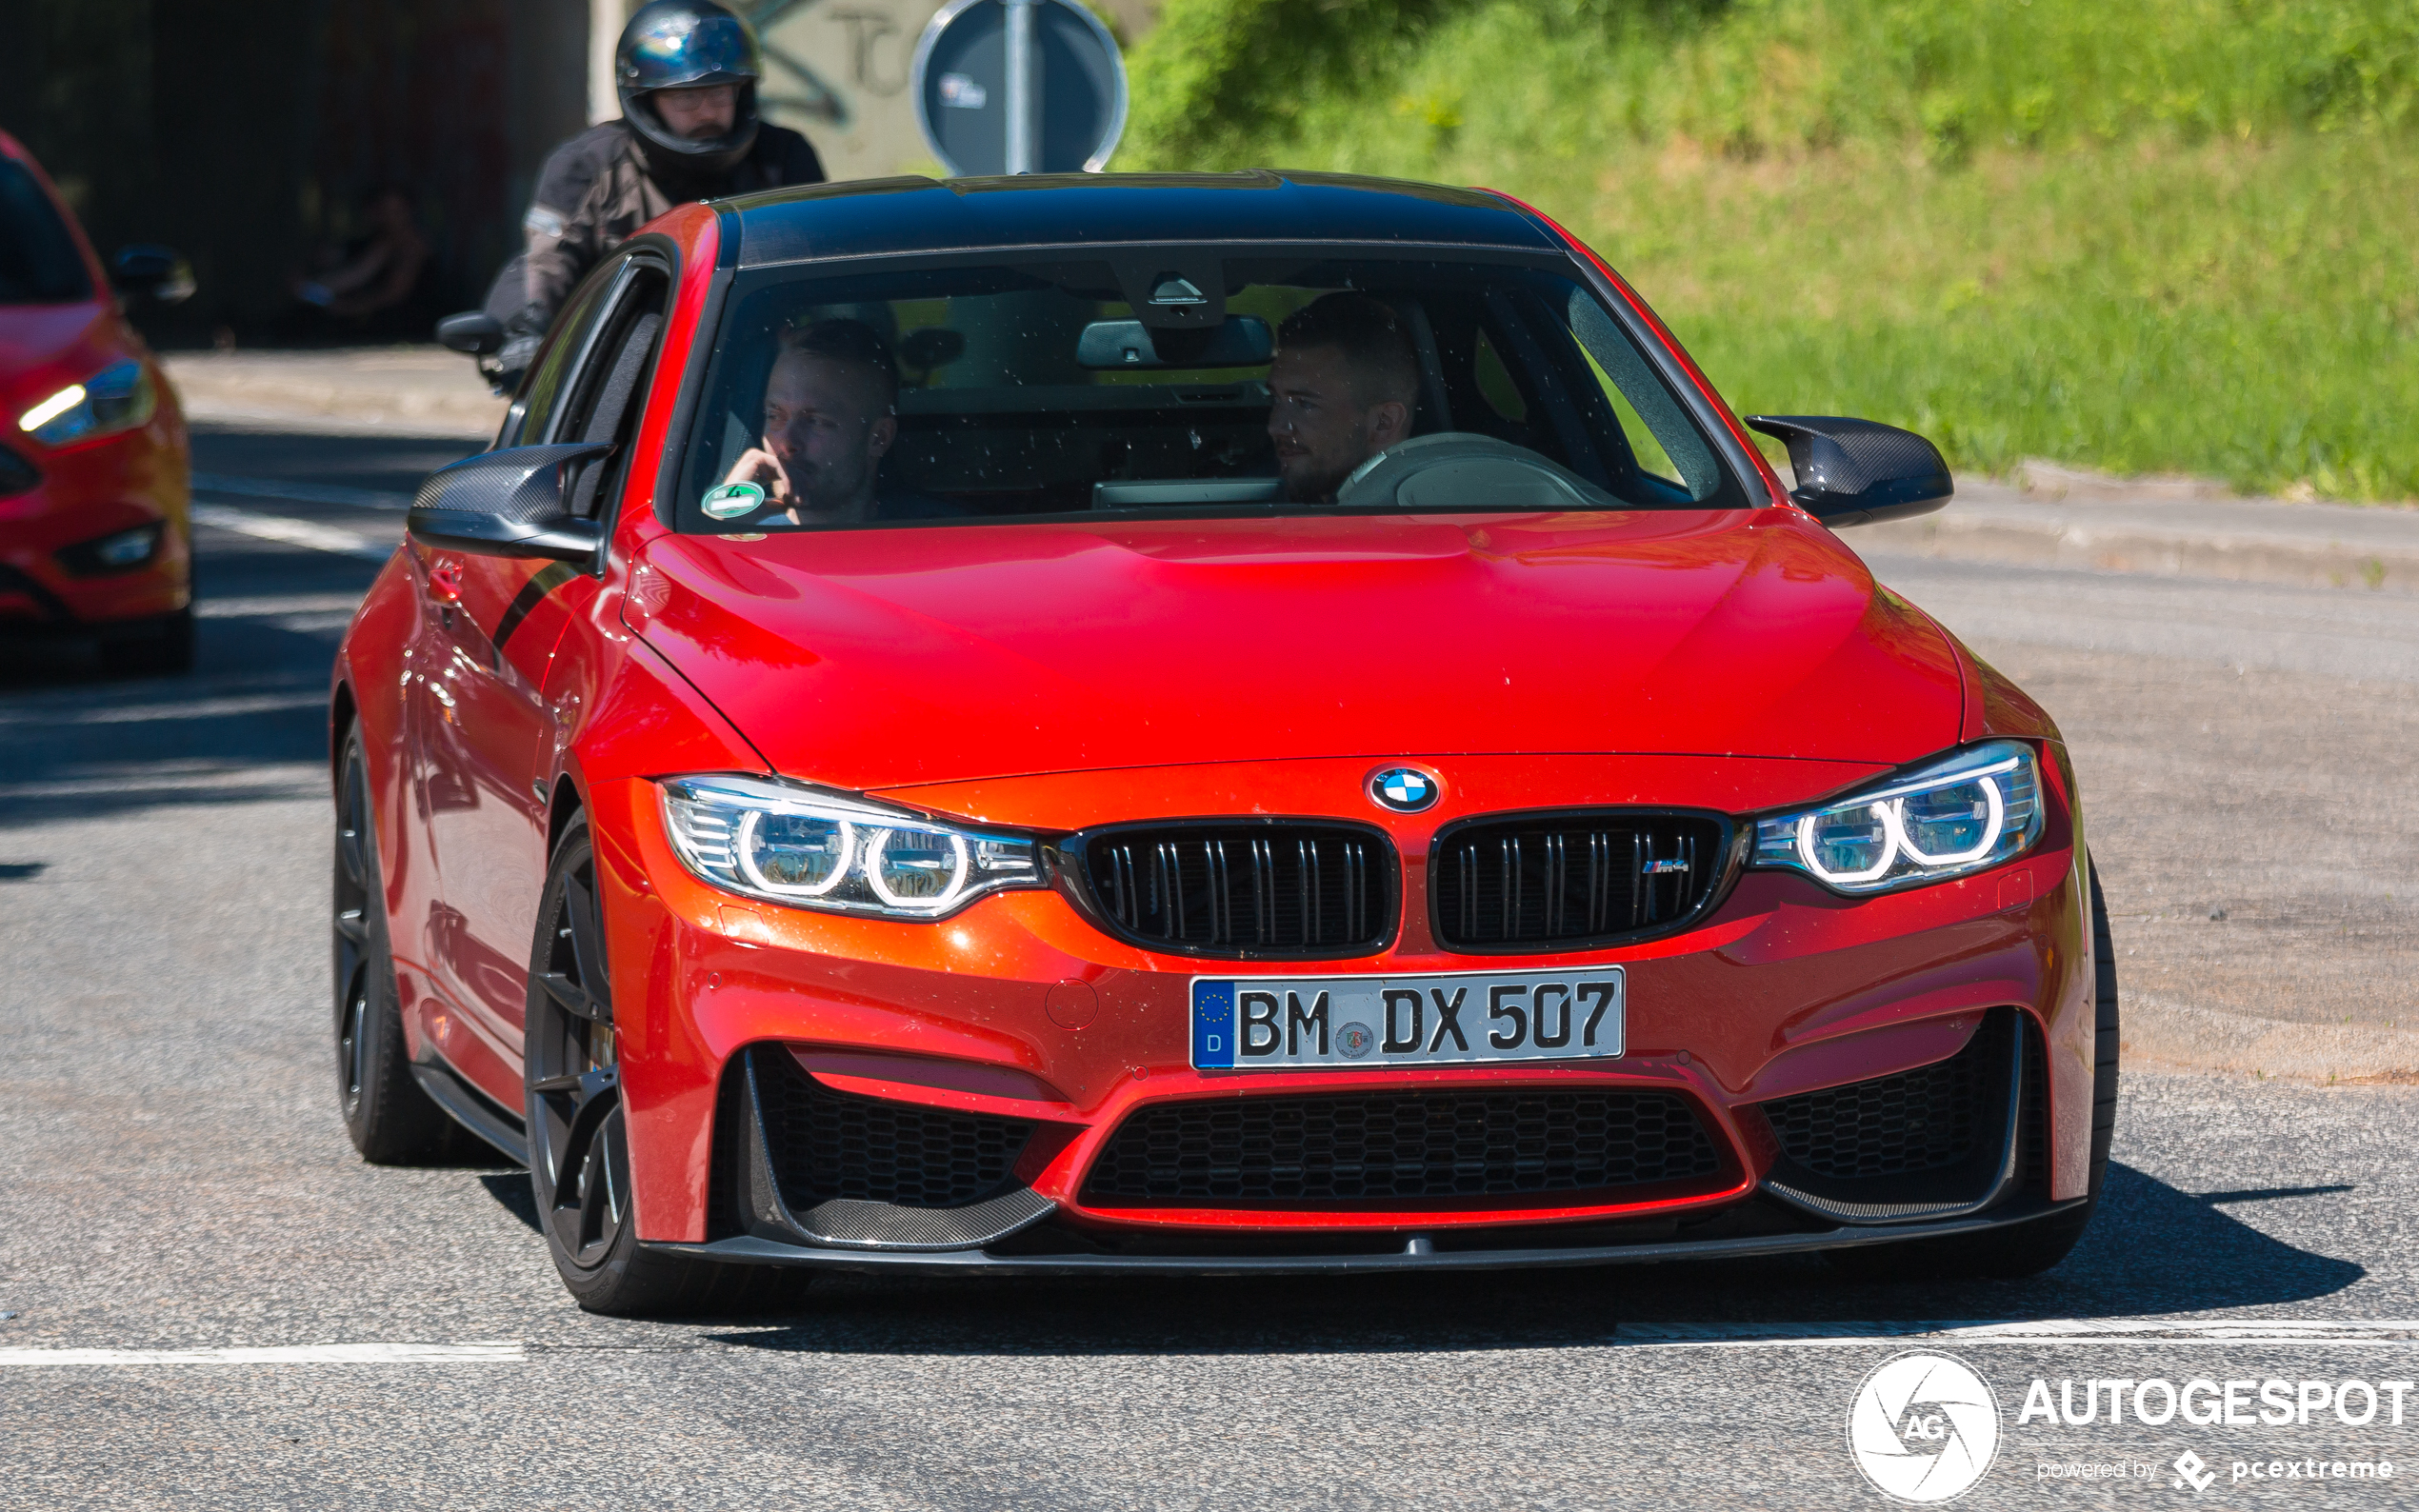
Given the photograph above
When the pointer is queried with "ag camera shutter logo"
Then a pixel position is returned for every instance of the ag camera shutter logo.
(1923, 1428)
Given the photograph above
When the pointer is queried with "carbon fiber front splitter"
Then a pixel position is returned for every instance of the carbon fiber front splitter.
(1418, 1253)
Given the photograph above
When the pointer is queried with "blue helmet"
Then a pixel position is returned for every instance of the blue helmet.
(688, 43)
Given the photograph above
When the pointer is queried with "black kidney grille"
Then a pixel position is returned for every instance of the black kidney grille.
(825, 1144)
(1389, 1147)
(1894, 1126)
(1297, 890)
(1537, 881)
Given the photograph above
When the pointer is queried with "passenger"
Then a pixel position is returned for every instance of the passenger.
(828, 419)
(1342, 386)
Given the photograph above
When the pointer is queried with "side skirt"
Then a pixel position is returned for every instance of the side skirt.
(472, 1109)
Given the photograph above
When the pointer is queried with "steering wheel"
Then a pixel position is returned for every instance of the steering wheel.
(1461, 469)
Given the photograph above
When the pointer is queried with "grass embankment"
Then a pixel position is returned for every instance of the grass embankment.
(2175, 235)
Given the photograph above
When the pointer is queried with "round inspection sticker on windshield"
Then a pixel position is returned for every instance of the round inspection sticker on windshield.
(733, 500)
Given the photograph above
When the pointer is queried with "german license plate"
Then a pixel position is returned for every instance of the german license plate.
(1281, 1023)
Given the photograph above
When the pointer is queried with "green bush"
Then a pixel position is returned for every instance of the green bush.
(1223, 76)
(2170, 235)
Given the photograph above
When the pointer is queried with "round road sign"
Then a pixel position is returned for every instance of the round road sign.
(1018, 86)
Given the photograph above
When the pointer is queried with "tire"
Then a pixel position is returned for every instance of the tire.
(2026, 1249)
(391, 1119)
(579, 1142)
(164, 647)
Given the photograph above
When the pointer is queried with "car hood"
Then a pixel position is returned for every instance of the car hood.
(881, 658)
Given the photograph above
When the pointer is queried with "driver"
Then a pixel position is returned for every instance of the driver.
(1342, 386)
(829, 416)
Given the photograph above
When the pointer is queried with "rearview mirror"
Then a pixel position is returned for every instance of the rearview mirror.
(1856, 473)
(473, 333)
(159, 275)
(1239, 341)
(509, 503)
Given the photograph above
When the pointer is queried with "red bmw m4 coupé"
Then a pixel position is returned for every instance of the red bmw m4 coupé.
(1237, 722)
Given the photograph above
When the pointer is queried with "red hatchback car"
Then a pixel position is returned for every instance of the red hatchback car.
(1238, 722)
(94, 538)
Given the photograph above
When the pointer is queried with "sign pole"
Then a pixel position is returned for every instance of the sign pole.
(1023, 88)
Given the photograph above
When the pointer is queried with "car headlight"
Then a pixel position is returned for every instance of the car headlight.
(807, 848)
(1964, 813)
(117, 398)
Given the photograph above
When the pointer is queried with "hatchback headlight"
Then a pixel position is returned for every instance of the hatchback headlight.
(117, 398)
(808, 847)
(1967, 812)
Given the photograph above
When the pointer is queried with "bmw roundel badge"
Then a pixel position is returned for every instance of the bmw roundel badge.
(1404, 790)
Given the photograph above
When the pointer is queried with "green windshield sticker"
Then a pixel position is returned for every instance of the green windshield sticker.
(733, 500)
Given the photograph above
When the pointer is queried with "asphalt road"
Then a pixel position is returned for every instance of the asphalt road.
(175, 1178)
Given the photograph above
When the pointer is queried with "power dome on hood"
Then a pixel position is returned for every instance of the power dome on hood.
(879, 659)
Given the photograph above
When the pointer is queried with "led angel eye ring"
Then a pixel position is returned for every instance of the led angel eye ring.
(881, 843)
(755, 876)
(1891, 841)
(1893, 817)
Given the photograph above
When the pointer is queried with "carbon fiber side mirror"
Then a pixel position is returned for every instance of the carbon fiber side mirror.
(1857, 472)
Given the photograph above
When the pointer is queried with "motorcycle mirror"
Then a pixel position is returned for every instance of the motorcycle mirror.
(473, 333)
(143, 270)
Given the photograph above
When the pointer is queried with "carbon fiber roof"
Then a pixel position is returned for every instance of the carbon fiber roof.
(875, 216)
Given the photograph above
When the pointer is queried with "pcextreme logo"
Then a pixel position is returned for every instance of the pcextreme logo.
(1923, 1428)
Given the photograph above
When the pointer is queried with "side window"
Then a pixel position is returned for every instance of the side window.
(542, 395)
(606, 393)
(1667, 444)
(1494, 382)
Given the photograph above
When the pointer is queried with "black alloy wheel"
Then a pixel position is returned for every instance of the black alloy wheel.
(579, 1138)
(391, 1120)
(2026, 1249)
(579, 1142)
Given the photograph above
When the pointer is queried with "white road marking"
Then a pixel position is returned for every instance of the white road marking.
(293, 532)
(308, 779)
(266, 606)
(299, 492)
(2034, 1331)
(192, 708)
(503, 1352)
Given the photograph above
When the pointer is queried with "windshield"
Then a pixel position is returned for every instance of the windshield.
(39, 263)
(1158, 382)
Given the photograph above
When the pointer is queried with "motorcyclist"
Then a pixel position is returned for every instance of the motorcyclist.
(687, 72)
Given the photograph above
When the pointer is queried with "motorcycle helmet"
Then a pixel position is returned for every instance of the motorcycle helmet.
(688, 43)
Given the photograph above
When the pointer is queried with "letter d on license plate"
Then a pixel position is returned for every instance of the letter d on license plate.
(1283, 1024)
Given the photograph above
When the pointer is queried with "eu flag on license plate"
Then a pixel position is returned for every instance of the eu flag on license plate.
(1212, 1023)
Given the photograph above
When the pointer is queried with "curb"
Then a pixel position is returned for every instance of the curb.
(400, 390)
(2054, 517)
(2180, 1034)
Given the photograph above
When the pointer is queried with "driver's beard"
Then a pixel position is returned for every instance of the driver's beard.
(1315, 487)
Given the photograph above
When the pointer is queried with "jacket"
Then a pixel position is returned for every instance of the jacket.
(596, 189)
